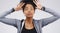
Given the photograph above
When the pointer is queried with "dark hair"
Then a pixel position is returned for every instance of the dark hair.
(29, 2)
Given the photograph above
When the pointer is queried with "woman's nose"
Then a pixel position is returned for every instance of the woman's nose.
(29, 10)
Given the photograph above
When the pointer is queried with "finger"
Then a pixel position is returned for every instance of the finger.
(38, 1)
(34, 2)
(22, 4)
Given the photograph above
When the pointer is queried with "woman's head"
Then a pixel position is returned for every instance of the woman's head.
(29, 9)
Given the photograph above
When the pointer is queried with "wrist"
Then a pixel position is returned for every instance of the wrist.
(13, 9)
(43, 8)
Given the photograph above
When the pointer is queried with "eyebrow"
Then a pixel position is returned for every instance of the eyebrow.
(26, 7)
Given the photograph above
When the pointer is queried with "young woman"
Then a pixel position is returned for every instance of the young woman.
(29, 25)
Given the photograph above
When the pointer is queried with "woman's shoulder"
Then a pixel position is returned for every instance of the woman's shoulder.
(38, 20)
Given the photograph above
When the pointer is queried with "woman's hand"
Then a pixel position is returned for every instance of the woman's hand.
(39, 6)
(19, 6)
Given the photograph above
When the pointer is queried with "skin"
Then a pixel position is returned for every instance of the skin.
(28, 12)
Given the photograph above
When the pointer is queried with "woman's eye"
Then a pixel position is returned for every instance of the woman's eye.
(31, 9)
(26, 9)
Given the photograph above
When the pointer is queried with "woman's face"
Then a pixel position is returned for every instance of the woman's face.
(29, 10)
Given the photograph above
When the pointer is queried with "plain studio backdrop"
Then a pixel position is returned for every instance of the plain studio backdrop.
(6, 5)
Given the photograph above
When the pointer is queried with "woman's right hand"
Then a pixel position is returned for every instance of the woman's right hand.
(19, 6)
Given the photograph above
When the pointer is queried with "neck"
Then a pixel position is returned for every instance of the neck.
(29, 20)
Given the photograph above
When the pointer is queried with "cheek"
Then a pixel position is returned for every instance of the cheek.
(32, 11)
(25, 12)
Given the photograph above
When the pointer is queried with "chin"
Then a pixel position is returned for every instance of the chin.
(29, 16)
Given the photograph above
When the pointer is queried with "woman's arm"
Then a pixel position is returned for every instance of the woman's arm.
(54, 13)
(10, 21)
(6, 13)
(51, 19)
(7, 20)
(46, 21)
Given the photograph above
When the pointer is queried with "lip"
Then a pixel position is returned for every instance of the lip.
(30, 14)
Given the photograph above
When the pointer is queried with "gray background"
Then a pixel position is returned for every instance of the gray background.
(6, 5)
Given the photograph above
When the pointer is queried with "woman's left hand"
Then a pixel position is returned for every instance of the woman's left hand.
(39, 6)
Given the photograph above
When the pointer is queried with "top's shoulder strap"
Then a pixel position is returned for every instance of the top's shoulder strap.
(22, 20)
(22, 23)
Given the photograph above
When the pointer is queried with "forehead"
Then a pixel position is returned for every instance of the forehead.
(29, 5)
